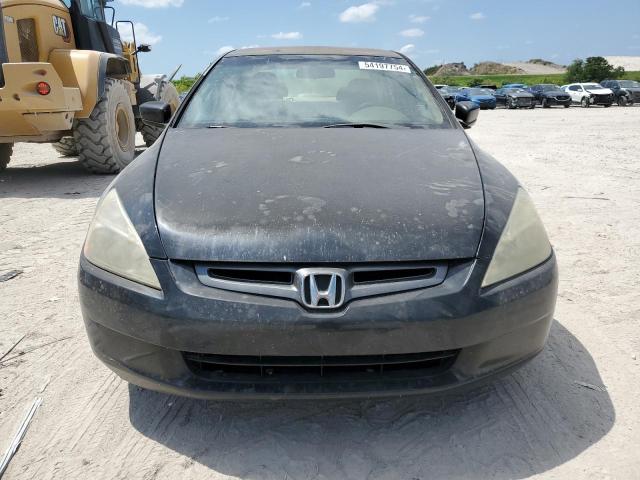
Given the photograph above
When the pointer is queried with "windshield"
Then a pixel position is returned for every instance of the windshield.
(592, 86)
(629, 84)
(479, 91)
(547, 88)
(312, 91)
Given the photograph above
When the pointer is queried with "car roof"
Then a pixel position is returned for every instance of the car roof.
(371, 52)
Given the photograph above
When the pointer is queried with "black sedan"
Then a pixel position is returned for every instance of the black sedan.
(548, 94)
(514, 98)
(314, 222)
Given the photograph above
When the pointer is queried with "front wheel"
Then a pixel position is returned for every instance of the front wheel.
(6, 149)
(622, 101)
(567, 106)
(106, 140)
(545, 103)
(66, 147)
(584, 102)
(510, 103)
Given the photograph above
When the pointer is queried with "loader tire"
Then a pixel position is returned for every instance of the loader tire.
(66, 147)
(168, 94)
(106, 140)
(6, 149)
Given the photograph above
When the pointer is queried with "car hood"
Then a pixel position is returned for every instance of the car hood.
(318, 195)
(553, 93)
(520, 94)
(599, 91)
(482, 98)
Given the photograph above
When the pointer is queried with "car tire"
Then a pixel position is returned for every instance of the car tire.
(622, 101)
(66, 147)
(545, 103)
(510, 104)
(584, 102)
(607, 106)
(168, 94)
(567, 106)
(6, 149)
(106, 140)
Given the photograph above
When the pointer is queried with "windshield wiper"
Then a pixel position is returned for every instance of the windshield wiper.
(355, 125)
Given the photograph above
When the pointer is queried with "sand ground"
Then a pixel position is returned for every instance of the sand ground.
(582, 167)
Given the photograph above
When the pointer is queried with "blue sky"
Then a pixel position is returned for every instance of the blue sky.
(193, 32)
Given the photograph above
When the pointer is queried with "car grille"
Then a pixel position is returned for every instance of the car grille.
(284, 280)
(523, 101)
(275, 367)
(562, 98)
(602, 98)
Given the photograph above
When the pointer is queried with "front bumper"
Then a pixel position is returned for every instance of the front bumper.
(143, 334)
(25, 113)
(558, 101)
(601, 99)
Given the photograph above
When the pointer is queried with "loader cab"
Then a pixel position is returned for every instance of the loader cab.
(91, 29)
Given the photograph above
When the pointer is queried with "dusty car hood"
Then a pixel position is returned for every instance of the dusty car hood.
(520, 95)
(318, 195)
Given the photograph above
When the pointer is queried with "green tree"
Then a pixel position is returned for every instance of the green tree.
(593, 69)
(432, 70)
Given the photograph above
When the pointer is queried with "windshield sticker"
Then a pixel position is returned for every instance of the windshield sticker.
(387, 67)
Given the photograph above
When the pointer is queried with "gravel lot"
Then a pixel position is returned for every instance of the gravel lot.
(571, 413)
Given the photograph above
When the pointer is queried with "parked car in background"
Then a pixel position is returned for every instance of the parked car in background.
(514, 98)
(515, 85)
(448, 96)
(587, 94)
(482, 96)
(440, 86)
(548, 94)
(625, 92)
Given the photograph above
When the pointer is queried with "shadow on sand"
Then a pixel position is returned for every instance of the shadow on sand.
(521, 425)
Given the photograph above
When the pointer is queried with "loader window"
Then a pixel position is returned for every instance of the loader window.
(92, 9)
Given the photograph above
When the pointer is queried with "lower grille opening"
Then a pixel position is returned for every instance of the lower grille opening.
(368, 366)
(386, 275)
(257, 276)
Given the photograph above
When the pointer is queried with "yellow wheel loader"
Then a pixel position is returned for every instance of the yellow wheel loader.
(67, 77)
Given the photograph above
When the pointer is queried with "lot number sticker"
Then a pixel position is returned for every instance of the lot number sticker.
(387, 67)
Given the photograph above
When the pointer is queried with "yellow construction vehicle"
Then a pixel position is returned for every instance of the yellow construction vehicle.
(68, 77)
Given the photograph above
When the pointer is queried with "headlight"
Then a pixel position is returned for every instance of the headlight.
(113, 244)
(522, 245)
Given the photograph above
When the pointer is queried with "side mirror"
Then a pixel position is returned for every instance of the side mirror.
(467, 113)
(143, 48)
(155, 113)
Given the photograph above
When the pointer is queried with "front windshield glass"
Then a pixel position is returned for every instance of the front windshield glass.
(592, 86)
(547, 88)
(312, 91)
(480, 91)
(629, 84)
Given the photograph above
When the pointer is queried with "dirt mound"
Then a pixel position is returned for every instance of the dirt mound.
(494, 68)
(629, 63)
(452, 69)
(538, 66)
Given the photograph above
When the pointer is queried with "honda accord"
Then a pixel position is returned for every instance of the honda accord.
(314, 222)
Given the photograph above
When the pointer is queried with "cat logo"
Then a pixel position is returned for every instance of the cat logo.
(60, 28)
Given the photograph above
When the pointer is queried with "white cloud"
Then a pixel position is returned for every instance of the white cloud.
(412, 33)
(153, 3)
(287, 36)
(218, 19)
(635, 36)
(360, 13)
(304, 5)
(408, 48)
(477, 16)
(143, 34)
(418, 18)
(223, 50)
